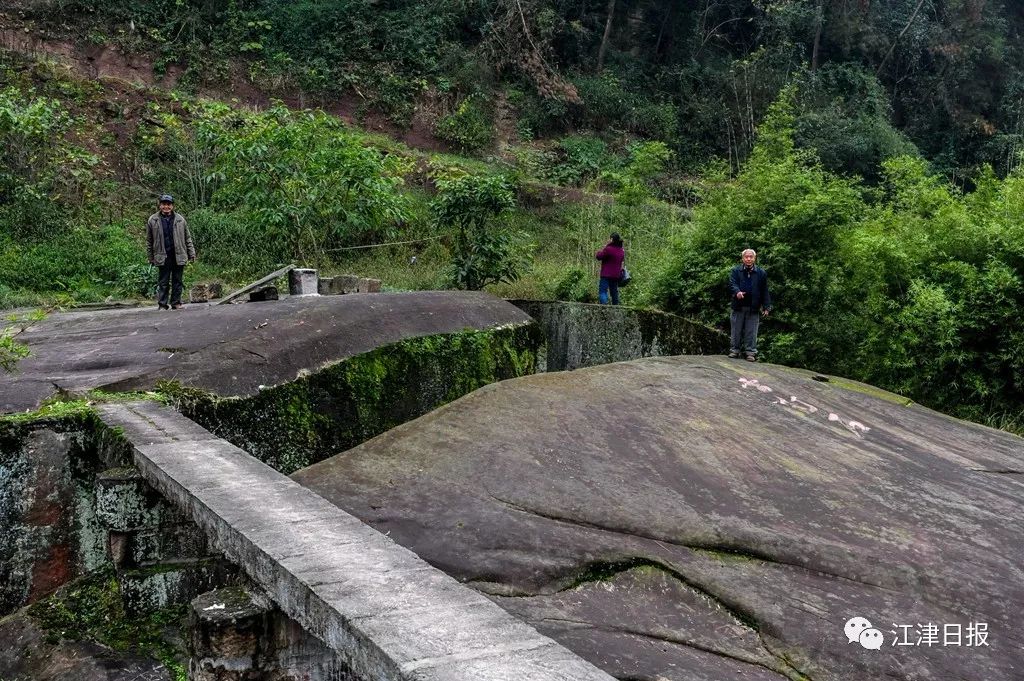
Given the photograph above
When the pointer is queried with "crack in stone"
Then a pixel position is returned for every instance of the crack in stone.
(602, 571)
(796, 673)
(999, 471)
(737, 612)
(784, 670)
(253, 352)
(712, 547)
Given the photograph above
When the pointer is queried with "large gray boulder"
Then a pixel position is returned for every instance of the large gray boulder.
(231, 350)
(691, 518)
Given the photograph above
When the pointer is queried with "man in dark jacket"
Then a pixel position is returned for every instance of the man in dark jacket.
(169, 244)
(750, 298)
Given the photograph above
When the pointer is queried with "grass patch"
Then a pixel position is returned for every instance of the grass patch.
(61, 407)
(567, 236)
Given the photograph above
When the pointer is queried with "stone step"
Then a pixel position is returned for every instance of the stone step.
(144, 589)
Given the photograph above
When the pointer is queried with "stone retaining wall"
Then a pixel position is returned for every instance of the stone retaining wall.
(582, 335)
(296, 424)
(48, 530)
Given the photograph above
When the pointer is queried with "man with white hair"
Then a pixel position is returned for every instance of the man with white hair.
(750, 298)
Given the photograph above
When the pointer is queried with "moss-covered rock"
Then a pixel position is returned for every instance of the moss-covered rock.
(580, 335)
(91, 609)
(293, 425)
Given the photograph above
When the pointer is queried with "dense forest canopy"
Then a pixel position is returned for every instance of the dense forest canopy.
(870, 151)
(879, 78)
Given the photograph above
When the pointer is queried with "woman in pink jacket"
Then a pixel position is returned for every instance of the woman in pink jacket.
(611, 256)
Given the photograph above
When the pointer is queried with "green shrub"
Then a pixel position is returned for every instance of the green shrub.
(610, 103)
(305, 185)
(11, 351)
(605, 100)
(655, 120)
(634, 184)
(539, 116)
(77, 260)
(486, 250)
(469, 127)
(42, 175)
(845, 118)
(575, 285)
(395, 95)
(581, 159)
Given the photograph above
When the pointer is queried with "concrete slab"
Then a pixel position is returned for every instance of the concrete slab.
(389, 614)
(231, 350)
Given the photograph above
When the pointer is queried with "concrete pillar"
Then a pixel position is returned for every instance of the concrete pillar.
(227, 632)
(369, 285)
(236, 634)
(302, 282)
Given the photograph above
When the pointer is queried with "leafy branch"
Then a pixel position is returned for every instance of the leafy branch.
(13, 351)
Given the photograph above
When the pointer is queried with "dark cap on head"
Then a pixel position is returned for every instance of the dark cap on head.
(166, 198)
(616, 239)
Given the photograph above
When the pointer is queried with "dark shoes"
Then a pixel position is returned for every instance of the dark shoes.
(161, 306)
(177, 306)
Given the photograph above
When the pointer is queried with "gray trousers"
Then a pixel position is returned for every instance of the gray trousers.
(744, 330)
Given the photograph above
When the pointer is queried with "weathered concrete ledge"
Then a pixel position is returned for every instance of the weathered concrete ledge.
(389, 614)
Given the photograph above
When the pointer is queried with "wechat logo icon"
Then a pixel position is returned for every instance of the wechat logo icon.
(859, 630)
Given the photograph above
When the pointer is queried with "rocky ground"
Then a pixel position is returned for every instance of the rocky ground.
(230, 350)
(691, 518)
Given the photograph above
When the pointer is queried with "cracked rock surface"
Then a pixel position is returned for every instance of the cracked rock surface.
(691, 518)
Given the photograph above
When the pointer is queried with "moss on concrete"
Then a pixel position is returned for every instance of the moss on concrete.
(91, 609)
(293, 425)
(73, 410)
(124, 501)
(581, 335)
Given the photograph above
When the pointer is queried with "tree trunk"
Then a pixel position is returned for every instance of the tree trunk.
(607, 33)
(661, 33)
(905, 29)
(819, 20)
